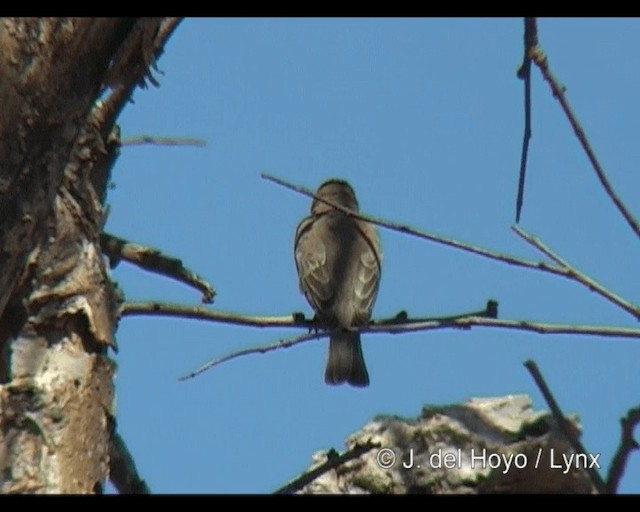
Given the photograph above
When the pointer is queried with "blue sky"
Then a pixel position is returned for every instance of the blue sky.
(424, 118)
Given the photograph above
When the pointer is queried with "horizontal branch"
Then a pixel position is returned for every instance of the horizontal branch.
(141, 140)
(223, 317)
(398, 324)
(394, 325)
(153, 260)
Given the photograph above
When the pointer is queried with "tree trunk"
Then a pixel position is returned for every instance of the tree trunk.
(58, 307)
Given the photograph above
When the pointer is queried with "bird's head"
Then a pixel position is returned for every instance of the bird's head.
(338, 192)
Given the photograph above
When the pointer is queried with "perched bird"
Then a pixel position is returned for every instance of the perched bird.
(338, 261)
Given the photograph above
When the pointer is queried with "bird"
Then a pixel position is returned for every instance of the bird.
(338, 259)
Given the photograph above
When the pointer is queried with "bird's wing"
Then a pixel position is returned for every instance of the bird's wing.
(311, 262)
(367, 276)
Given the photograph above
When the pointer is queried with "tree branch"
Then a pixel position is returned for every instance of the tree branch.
(294, 320)
(574, 274)
(400, 228)
(333, 461)
(566, 427)
(524, 73)
(152, 260)
(286, 343)
(540, 59)
(122, 469)
(163, 141)
(200, 313)
(395, 325)
(627, 445)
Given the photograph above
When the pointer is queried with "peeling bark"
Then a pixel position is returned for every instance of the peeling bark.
(58, 307)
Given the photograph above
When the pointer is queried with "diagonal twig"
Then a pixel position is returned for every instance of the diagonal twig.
(566, 427)
(627, 445)
(401, 228)
(538, 56)
(576, 275)
(262, 349)
(524, 73)
(333, 461)
(153, 260)
(122, 469)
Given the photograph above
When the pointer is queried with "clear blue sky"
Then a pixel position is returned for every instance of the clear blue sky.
(424, 118)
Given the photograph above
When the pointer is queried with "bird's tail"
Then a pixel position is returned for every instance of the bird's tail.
(346, 362)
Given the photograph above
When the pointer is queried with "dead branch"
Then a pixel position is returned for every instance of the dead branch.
(559, 92)
(567, 428)
(574, 274)
(626, 446)
(524, 73)
(152, 260)
(333, 461)
(162, 141)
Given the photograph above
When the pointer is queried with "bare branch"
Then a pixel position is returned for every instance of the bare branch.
(398, 324)
(540, 59)
(576, 275)
(518, 325)
(122, 469)
(153, 260)
(400, 228)
(524, 73)
(333, 461)
(627, 445)
(200, 313)
(262, 349)
(394, 325)
(566, 427)
(296, 320)
(163, 141)
(124, 80)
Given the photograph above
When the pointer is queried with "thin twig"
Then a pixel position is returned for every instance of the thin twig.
(122, 469)
(574, 274)
(162, 141)
(333, 461)
(153, 260)
(108, 110)
(567, 428)
(540, 59)
(524, 73)
(626, 446)
(400, 228)
(254, 350)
